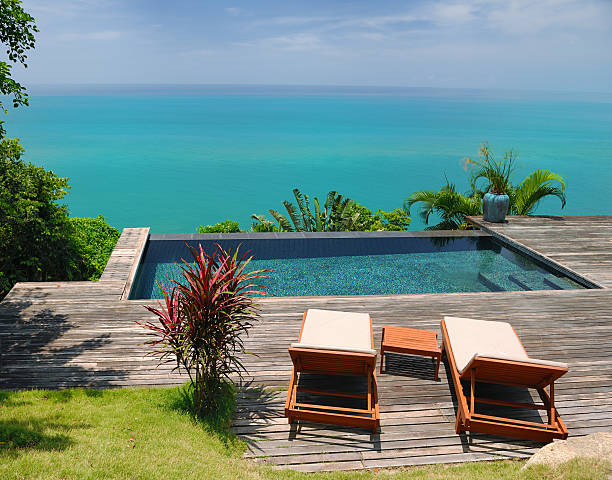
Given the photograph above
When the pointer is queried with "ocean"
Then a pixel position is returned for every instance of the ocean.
(175, 157)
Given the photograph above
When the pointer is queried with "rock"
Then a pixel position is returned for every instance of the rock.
(596, 445)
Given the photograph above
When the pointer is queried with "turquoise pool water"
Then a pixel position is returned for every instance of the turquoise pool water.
(413, 265)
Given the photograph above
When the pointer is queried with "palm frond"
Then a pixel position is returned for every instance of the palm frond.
(329, 202)
(318, 220)
(427, 198)
(451, 206)
(534, 188)
(268, 225)
(293, 215)
(303, 210)
(283, 223)
(308, 220)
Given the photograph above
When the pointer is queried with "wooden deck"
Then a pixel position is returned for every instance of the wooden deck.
(57, 335)
(582, 245)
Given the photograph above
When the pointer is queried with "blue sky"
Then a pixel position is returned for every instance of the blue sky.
(507, 44)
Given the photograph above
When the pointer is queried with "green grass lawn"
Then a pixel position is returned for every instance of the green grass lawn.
(148, 434)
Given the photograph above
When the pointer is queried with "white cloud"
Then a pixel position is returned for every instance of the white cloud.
(200, 52)
(64, 8)
(438, 42)
(294, 42)
(234, 11)
(104, 35)
(523, 16)
(456, 13)
(373, 36)
(293, 21)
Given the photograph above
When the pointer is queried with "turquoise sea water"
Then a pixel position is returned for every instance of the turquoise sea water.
(173, 158)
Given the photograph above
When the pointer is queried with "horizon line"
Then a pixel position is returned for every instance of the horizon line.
(313, 86)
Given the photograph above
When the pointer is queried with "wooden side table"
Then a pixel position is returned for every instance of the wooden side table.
(410, 341)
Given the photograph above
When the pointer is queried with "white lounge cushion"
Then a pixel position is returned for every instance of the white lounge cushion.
(331, 330)
(471, 338)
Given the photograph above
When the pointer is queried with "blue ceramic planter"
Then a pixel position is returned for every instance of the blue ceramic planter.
(495, 207)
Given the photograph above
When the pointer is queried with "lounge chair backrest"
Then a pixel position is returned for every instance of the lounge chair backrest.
(524, 373)
(332, 362)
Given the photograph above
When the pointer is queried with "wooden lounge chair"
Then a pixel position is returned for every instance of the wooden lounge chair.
(334, 343)
(491, 352)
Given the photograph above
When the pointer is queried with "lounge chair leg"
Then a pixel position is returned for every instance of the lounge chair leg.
(458, 425)
(551, 408)
(472, 391)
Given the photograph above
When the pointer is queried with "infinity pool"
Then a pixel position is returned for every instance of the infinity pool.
(360, 264)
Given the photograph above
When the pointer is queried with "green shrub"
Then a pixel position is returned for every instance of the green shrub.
(367, 221)
(228, 226)
(38, 241)
(397, 220)
(331, 218)
(94, 241)
(35, 241)
(264, 225)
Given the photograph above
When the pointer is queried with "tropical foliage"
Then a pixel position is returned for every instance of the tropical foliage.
(332, 218)
(497, 173)
(17, 30)
(38, 240)
(338, 214)
(94, 241)
(451, 207)
(367, 221)
(35, 242)
(262, 224)
(227, 226)
(525, 197)
(201, 322)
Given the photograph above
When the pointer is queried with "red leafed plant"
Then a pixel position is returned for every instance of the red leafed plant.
(202, 319)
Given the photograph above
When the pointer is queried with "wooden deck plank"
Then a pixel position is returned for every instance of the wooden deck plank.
(68, 334)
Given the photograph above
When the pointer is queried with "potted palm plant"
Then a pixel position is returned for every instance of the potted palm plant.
(495, 201)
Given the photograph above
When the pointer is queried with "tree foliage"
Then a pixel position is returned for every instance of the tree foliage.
(338, 214)
(17, 28)
(38, 241)
(452, 207)
(93, 240)
(202, 319)
(34, 230)
(262, 224)
(227, 226)
(367, 221)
